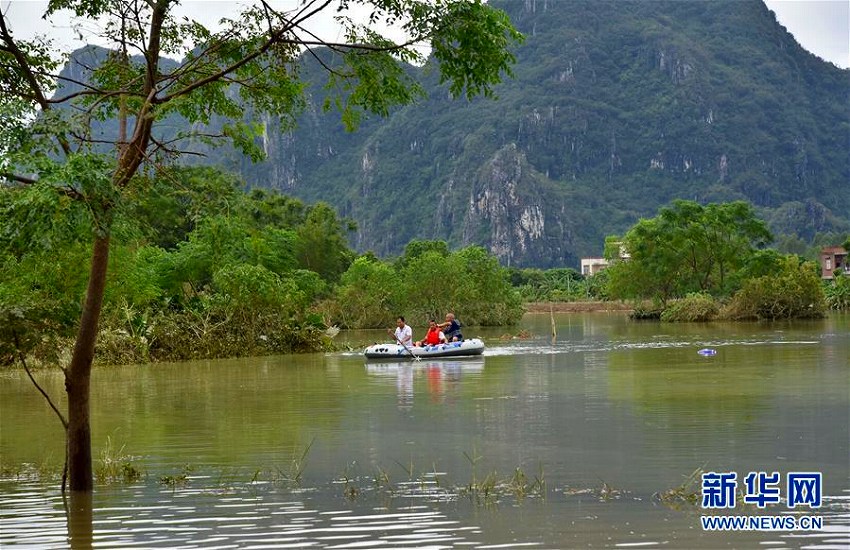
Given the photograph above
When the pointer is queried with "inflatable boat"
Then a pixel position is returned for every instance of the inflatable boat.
(473, 346)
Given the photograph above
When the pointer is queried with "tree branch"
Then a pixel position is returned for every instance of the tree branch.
(274, 38)
(38, 387)
(163, 146)
(29, 75)
(17, 178)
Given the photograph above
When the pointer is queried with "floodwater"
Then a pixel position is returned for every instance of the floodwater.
(331, 451)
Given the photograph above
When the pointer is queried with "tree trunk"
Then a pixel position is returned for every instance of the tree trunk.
(78, 376)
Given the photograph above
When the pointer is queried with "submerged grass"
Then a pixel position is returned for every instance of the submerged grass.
(686, 495)
(603, 492)
(115, 466)
(487, 488)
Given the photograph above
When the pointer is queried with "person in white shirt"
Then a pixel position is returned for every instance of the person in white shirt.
(403, 332)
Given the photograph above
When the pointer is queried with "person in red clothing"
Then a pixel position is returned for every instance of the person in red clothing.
(434, 335)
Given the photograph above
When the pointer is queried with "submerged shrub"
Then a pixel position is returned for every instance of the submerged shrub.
(211, 334)
(794, 291)
(646, 312)
(694, 307)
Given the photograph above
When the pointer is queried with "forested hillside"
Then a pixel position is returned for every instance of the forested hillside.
(616, 108)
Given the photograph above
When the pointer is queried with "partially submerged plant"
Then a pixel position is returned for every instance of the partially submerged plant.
(685, 495)
(115, 466)
(178, 480)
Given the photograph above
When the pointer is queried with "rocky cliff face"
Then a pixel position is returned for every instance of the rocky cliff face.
(506, 209)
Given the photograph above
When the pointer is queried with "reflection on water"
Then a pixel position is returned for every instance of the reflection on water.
(631, 406)
(80, 507)
(441, 375)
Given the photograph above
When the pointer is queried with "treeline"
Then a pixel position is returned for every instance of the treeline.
(200, 268)
(696, 262)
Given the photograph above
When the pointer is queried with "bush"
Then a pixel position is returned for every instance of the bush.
(838, 293)
(646, 312)
(369, 296)
(694, 307)
(794, 291)
(427, 284)
(208, 335)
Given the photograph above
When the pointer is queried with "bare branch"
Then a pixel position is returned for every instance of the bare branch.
(188, 67)
(274, 38)
(162, 146)
(38, 387)
(321, 62)
(17, 178)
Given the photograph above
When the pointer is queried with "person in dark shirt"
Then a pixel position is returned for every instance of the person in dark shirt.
(451, 328)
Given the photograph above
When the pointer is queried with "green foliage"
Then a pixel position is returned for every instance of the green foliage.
(426, 283)
(838, 293)
(417, 248)
(695, 307)
(596, 286)
(236, 76)
(234, 284)
(559, 284)
(687, 248)
(793, 291)
(472, 48)
(469, 282)
(40, 298)
(485, 295)
(169, 205)
(433, 284)
(759, 264)
(369, 295)
(138, 276)
(322, 245)
(247, 291)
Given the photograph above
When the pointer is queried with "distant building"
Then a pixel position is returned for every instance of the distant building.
(832, 259)
(592, 266)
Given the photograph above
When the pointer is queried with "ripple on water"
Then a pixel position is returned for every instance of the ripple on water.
(37, 520)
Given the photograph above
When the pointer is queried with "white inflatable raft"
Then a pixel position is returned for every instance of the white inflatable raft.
(473, 346)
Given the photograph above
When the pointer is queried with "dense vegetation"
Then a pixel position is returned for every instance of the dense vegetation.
(698, 263)
(558, 284)
(200, 269)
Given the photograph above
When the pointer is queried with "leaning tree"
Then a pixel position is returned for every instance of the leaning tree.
(51, 136)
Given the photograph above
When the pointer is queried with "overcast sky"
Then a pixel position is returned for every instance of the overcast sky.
(820, 26)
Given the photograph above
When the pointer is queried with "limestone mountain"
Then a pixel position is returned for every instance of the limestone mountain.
(616, 107)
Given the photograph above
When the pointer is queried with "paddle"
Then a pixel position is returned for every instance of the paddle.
(415, 357)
